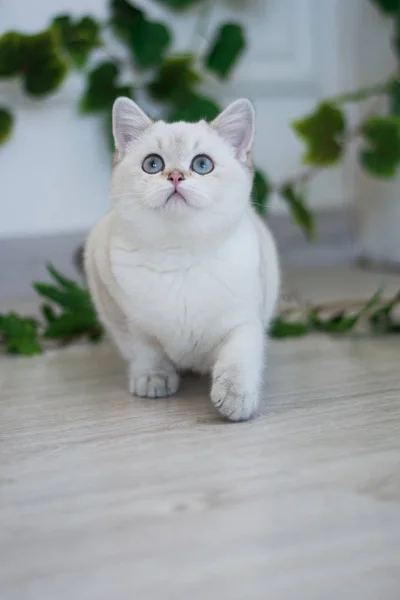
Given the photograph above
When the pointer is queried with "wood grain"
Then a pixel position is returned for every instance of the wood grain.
(104, 497)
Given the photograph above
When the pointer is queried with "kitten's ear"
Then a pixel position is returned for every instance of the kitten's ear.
(129, 122)
(236, 125)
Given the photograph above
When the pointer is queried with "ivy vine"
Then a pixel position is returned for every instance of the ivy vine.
(148, 68)
(68, 314)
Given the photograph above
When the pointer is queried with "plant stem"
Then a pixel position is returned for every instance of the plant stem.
(300, 178)
(124, 65)
(365, 93)
(202, 25)
(334, 306)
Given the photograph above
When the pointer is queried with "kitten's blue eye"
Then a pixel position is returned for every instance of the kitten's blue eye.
(153, 164)
(202, 164)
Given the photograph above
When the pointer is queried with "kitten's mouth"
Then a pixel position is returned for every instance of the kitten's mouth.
(176, 197)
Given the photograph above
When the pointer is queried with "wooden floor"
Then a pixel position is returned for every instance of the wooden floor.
(108, 498)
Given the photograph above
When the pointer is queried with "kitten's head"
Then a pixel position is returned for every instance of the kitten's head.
(182, 179)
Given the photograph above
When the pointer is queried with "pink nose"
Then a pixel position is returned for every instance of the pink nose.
(175, 177)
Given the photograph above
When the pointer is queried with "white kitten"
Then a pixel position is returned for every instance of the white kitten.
(183, 273)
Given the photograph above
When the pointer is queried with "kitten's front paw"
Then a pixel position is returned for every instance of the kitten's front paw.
(231, 399)
(154, 385)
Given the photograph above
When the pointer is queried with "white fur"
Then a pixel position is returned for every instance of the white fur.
(186, 285)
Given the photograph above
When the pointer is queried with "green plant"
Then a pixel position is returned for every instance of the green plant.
(147, 66)
(67, 314)
(376, 315)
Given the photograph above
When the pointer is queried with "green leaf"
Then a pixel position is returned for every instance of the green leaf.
(123, 16)
(175, 81)
(26, 346)
(100, 91)
(79, 297)
(196, 109)
(67, 294)
(11, 53)
(102, 88)
(20, 334)
(148, 41)
(261, 192)
(281, 328)
(322, 132)
(390, 7)
(36, 58)
(45, 79)
(71, 324)
(394, 95)
(301, 215)
(76, 314)
(6, 124)
(78, 38)
(226, 49)
(60, 279)
(179, 4)
(69, 299)
(44, 69)
(380, 155)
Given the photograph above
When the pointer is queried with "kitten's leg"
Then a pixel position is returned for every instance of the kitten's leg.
(151, 373)
(237, 373)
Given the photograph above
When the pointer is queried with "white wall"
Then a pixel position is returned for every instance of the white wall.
(54, 173)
